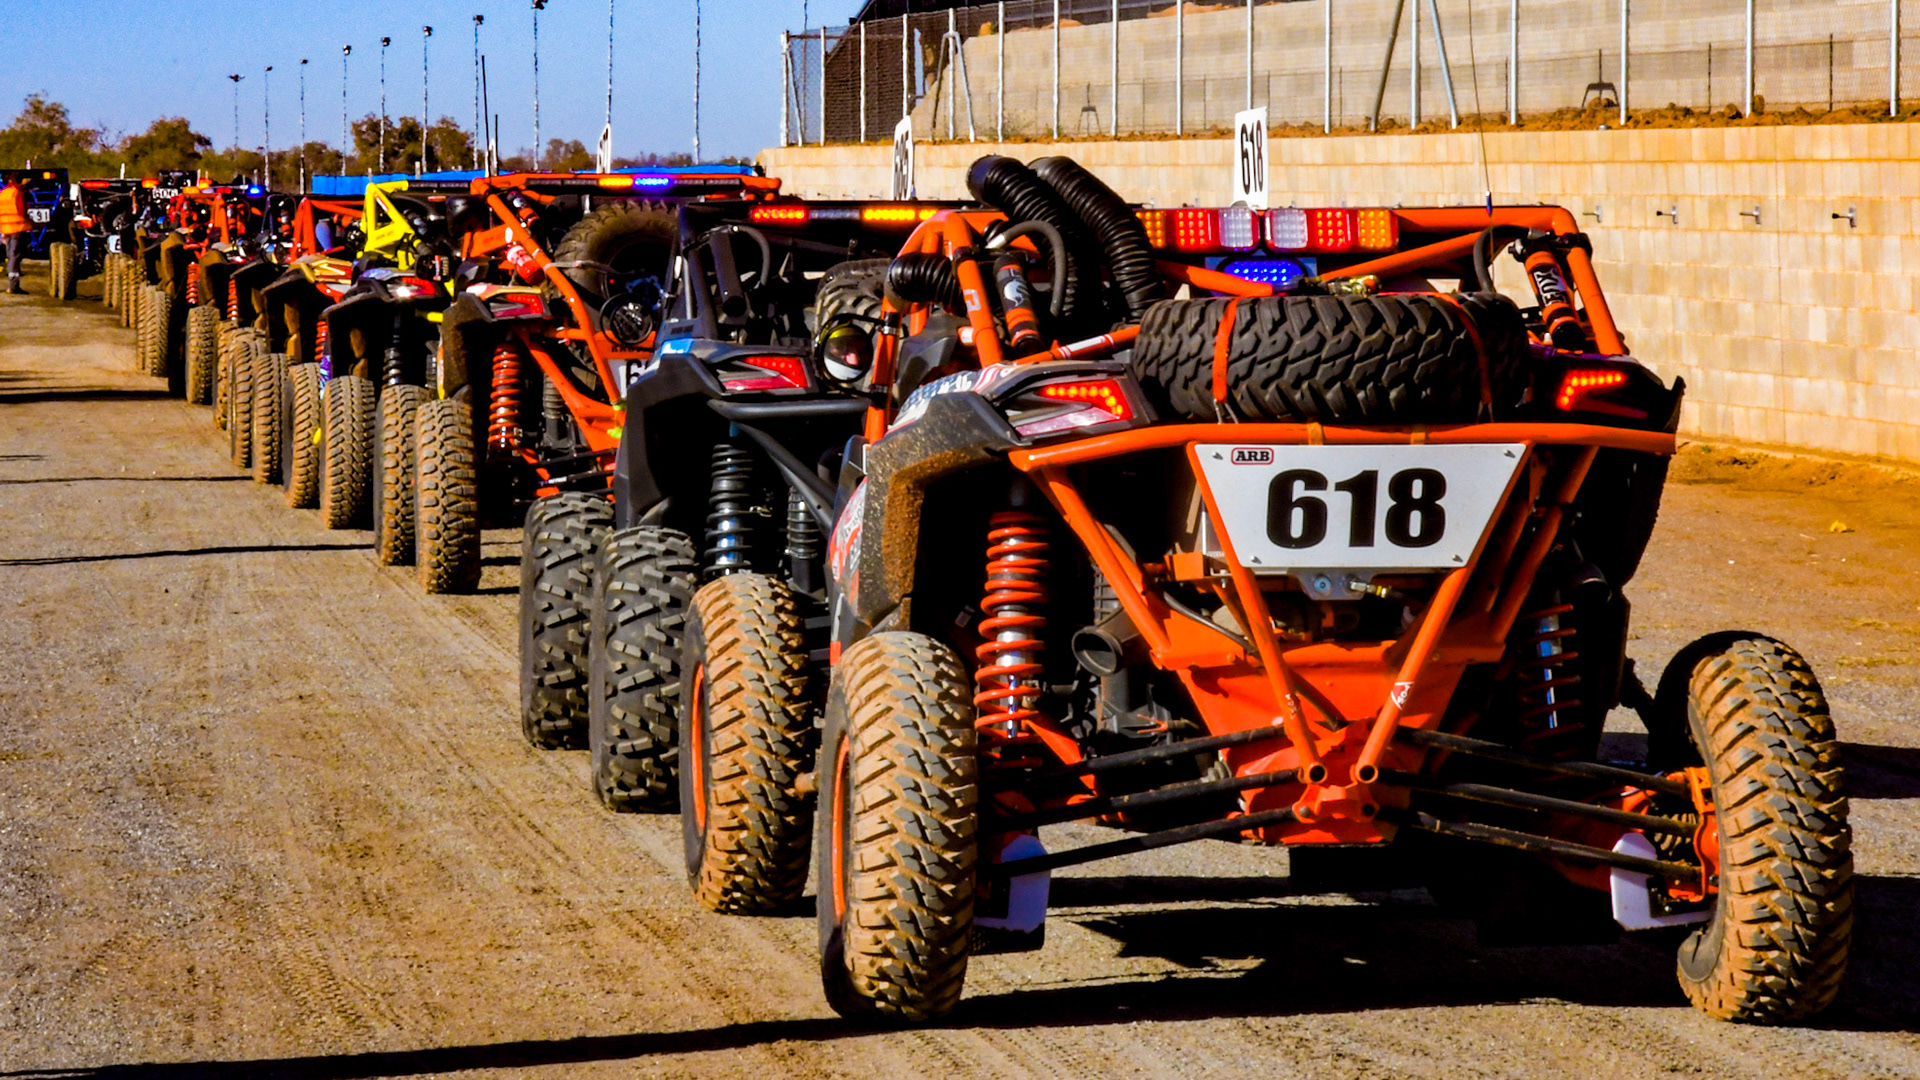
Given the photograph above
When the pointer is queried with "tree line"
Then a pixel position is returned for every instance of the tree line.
(45, 135)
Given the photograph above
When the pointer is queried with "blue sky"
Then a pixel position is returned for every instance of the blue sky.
(119, 64)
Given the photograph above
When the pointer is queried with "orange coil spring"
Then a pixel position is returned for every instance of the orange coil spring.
(193, 288)
(503, 415)
(233, 300)
(1009, 660)
(1545, 684)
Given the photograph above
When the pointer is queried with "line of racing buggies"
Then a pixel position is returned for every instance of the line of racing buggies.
(873, 538)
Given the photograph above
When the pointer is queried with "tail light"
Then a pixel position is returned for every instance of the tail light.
(742, 374)
(1377, 230)
(1330, 230)
(1584, 390)
(1239, 229)
(1196, 230)
(1075, 405)
(1155, 222)
(779, 215)
(1287, 229)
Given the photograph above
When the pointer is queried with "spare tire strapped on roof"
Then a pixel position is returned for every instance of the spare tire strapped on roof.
(1396, 359)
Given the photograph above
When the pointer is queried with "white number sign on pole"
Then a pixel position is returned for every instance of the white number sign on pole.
(1250, 158)
(903, 158)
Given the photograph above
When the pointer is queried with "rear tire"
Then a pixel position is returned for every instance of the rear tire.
(300, 423)
(747, 733)
(446, 505)
(897, 831)
(1777, 945)
(557, 551)
(391, 499)
(62, 260)
(151, 335)
(240, 398)
(203, 354)
(269, 371)
(346, 463)
(643, 588)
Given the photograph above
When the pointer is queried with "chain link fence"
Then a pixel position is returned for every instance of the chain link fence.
(1087, 68)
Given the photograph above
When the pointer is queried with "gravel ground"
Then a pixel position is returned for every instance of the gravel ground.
(265, 811)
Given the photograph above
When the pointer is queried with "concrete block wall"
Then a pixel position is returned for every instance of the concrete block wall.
(1798, 331)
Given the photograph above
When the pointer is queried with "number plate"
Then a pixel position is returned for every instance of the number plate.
(1292, 508)
(39, 215)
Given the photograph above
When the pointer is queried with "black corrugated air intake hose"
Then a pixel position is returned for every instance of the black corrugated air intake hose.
(1485, 250)
(1114, 225)
(926, 277)
(1012, 188)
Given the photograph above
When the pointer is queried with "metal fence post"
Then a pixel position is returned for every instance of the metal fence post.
(1749, 57)
(1893, 59)
(1179, 68)
(1056, 69)
(1625, 62)
(1413, 69)
(1113, 99)
(786, 88)
(1249, 54)
(1000, 80)
(906, 69)
(863, 82)
(949, 63)
(1326, 57)
(1513, 62)
(823, 85)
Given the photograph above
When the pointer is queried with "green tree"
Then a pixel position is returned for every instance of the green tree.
(44, 134)
(566, 155)
(170, 143)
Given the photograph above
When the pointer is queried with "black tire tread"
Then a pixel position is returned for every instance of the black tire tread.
(446, 498)
(301, 467)
(203, 354)
(392, 500)
(269, 371)
(345, 474)
(557, 550)
(643, 590)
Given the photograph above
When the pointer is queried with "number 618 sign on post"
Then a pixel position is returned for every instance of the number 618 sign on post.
(1250, 158)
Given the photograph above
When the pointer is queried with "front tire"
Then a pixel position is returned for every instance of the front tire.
(446, 508)
(300, 420)
(240, 398)
(269, 371)
(643, 587)
(557, 550)
(345, 467)
(203, 354)
(392, 474)
(897, 832)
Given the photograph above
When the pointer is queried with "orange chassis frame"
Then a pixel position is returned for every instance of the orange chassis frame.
(1324, 696)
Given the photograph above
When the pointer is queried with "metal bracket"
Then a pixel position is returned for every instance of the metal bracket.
(1851, 217)
(1672, 213)
(1753, 213)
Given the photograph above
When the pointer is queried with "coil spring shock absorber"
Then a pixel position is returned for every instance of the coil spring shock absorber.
(504, 433)
(1009, 660)
(729, 536)
(1545, 686)
(233, 301)
(803, 544)
(319, 347)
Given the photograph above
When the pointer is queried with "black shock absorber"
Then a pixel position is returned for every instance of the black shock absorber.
(729, 532)
(803, 545)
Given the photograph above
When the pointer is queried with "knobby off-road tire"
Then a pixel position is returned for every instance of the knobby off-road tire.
(155, 311)
(301, 417)
(240, 398)
(1776, 947)
(557, 550)
(109, 266)
(857, 287)
(620, 235)
(203, 354)
(391, 499)
(642, 590)
(132, 285)
(346, 465)
(62, 270)
(446, 507)
(746, 735)
(1391, 359)
(224, 334)
(897, 830)
(269, 371)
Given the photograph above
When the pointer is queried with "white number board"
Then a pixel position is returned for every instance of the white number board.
(39, 215)
(1288, 508)
(1250, 157)
(903, 158)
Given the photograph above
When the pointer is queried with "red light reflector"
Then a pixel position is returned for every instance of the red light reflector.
(778, 373)
(1102, 394)
(1330, 230)
(1196, 230)
(1577, 387)
(1155, 222)
(779, 215)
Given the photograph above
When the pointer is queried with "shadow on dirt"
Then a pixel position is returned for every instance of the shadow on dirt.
(250, 549)
(1881, 772)
(126, 480)
(83, 394)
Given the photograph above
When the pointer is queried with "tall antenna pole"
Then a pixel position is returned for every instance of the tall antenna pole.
(697, 81)
(426, 149)
(266, 124)
(380, 161)
(477, 136)
(609, 64)
(346, 133)
(236, 111)
(537, 5)
(303, 124)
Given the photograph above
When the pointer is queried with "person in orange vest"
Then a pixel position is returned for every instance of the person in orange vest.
(13, 229)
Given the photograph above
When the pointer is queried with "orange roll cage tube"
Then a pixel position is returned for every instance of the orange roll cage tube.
(1336, 792)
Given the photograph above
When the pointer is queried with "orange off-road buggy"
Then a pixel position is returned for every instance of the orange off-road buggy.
(1281, 527)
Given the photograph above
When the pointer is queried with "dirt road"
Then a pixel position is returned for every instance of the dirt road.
(265, 811)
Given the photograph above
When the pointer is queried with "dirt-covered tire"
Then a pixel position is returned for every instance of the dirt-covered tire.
(203, 354)
(897, 830)
(240, 399)
(609, 237)
(301, 417)
(857, 287)
(1390, 359)
(1776, 947)
(63, 261)
(557, 550)
(446, 504)
(746, 733)
(152, 332)
(643, 589)
(346, 451)
(391, 500)
(224, 333)
(269, 371)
